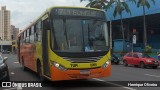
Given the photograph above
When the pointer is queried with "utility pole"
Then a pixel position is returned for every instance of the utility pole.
(111, 35)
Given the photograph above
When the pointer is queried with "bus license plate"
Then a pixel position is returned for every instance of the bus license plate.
(84, 71)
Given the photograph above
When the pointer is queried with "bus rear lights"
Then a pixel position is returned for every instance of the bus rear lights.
(106, 64)
(57, 65)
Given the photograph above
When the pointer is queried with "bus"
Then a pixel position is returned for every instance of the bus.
(66, 43)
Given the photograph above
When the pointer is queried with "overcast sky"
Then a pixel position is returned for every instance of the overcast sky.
(25, 11)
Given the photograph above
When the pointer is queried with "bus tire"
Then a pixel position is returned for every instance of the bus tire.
(39, 72)
(23, 67)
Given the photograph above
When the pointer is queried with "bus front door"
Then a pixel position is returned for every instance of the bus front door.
(46, 67)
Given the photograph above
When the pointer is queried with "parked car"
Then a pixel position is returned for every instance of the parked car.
(4, 72)
(115, 59)
(140, 59)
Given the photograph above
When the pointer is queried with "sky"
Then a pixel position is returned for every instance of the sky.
(24, 12)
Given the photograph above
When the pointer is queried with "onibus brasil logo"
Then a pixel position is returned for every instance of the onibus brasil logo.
(15, 85)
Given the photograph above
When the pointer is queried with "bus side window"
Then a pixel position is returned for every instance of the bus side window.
(21, 39)
(24, 37)
(32, 35)
(46, 24)
(38, 33)
(28, 36)
(35, 34)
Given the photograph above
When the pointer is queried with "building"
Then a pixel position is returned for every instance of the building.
(134, 23)
(14, 36)
(5, 34)
(14, 32)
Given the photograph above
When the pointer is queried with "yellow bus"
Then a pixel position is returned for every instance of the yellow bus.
(66, 43)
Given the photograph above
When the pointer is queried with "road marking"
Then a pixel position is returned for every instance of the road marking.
(114, 84)
(12, 73)
(152, 75)
(9, 89)
(18, 88)
(16, 62)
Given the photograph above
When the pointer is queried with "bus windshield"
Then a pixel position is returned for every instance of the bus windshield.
(79, 35)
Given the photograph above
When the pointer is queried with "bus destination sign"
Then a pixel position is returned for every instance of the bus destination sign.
(79, 12)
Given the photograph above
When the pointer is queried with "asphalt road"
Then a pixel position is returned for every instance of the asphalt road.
(120, 78)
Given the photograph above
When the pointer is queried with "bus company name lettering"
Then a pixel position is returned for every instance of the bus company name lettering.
(78, 12)
(93, 64)
(74, 65)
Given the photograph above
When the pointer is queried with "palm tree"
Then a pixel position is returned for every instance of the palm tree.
(144, 3)
(120, 6)
(99, 4)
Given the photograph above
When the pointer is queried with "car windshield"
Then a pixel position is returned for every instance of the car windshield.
(143, 55)
(79, 35)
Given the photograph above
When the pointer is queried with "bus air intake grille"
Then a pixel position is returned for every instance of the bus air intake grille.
(83, 60)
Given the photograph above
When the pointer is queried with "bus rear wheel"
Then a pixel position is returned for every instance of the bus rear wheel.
(23, 67)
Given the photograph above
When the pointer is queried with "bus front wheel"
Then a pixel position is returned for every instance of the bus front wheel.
(39, 72)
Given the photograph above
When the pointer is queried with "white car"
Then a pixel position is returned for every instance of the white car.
(4, 72)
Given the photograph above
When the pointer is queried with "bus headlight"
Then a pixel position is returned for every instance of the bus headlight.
(57, 65)
(106, 64)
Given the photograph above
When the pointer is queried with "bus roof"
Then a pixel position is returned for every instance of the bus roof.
(50, 8)
(73, 7)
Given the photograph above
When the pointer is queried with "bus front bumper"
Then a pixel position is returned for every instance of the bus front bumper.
(57, 75)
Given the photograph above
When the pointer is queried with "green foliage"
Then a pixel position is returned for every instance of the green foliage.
(144, 3)
(120, 6)
(148, 49)
(99, 4)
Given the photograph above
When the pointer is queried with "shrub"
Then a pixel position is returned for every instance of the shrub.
(148, 49)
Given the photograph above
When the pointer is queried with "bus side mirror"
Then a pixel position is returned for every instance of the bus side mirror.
(47, 27)
(46, 24)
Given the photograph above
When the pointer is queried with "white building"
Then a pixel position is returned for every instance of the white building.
(5, 33)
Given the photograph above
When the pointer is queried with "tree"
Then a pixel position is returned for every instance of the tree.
(120, 6)
(99, 4)
(144, 3)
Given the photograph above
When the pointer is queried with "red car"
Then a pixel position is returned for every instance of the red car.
(140, 59)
